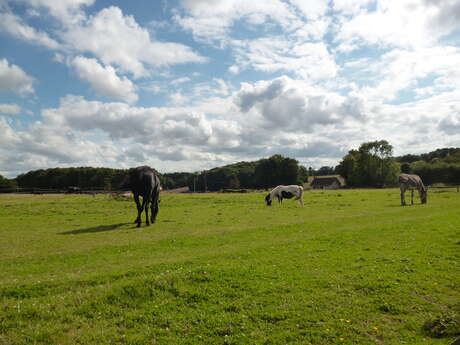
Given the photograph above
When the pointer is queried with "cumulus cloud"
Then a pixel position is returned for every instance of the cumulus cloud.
(16, 27)
(10, 109)
(287, 104)
(312, 9)
(211, 20)
(401, 69)
(404, 24)
(350, 7)
(117, 39)
(104, 80)
(450, 124)
(14, 79)
(67, 11)
(309, 60)
(160, 125)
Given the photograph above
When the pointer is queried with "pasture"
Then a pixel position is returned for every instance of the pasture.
(351, 267)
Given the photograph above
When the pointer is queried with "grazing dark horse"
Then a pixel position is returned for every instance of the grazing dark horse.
(145, 182)
(411, 182)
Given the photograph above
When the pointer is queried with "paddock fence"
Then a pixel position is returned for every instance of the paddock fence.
(91, 191)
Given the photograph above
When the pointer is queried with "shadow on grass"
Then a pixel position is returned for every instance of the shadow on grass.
(100, 228)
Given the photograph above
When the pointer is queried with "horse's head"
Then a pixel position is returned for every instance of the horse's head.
(423, 196)
(268, 200)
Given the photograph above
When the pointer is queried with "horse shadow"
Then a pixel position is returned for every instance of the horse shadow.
(100, 228)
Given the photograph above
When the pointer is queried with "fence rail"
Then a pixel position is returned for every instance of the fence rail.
(445, 187)
(99, 190)
(57, 191)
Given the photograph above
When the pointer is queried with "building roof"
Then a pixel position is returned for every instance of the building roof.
(327, 180)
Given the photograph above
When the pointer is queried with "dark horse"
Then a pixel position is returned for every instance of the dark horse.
(145, 182)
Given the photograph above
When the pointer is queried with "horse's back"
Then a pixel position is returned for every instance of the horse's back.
(144, 180)
(410, 181)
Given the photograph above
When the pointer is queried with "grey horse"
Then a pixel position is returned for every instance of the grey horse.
(412, 182)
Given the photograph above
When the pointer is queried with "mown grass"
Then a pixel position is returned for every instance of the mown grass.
(351, 267)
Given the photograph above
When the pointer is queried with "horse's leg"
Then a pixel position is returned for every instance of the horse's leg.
(155, 207)
(139, 209)
(403, 199)
(411, 196)
(300, 198)
(148, 201)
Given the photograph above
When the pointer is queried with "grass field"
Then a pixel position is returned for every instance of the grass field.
(351, 267)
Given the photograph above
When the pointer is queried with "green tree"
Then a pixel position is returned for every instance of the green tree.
(303, 175)
(348, 167)
(376, 164)
(276, 170)
(372, 165)
(7, 184)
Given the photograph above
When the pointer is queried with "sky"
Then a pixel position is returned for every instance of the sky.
(187, 85)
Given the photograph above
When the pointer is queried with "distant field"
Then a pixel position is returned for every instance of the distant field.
(351, 267)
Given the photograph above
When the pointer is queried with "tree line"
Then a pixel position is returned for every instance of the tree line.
(263, 173)
(439, 166)
(373, 165)
(370, 165)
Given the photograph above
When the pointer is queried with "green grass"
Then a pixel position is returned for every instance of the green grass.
(351, 267)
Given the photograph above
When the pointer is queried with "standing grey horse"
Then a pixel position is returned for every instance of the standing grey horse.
(408, 181)
(145, 182)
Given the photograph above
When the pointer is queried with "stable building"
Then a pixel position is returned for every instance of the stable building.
(327, 182)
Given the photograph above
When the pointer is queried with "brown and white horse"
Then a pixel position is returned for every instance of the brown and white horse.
(285, 192)
(412, 182)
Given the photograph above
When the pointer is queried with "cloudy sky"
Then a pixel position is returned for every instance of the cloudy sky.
(185, 85)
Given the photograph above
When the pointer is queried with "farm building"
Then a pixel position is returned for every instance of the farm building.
(327, 182)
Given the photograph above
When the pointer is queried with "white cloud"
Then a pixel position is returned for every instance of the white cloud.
(286, 104)
(177, 98)
(400, 70)
(180, 80)
(104, 80)
(163, 126)
(212, 20)
(311, 61)
(450, 124)
(67, 11)
(10, 109)
(312, 9)
(117, 39)
(350, 7)
(14, 79)
(404, 23)
(15, 26)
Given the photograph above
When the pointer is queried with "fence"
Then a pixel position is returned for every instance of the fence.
(55, 191)
(444, 187)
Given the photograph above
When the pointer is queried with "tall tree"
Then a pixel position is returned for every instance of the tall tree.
(372, 165)
(277, 170)
(6, 183)
(376, 164)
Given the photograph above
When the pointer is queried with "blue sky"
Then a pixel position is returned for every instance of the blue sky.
(188, 85)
